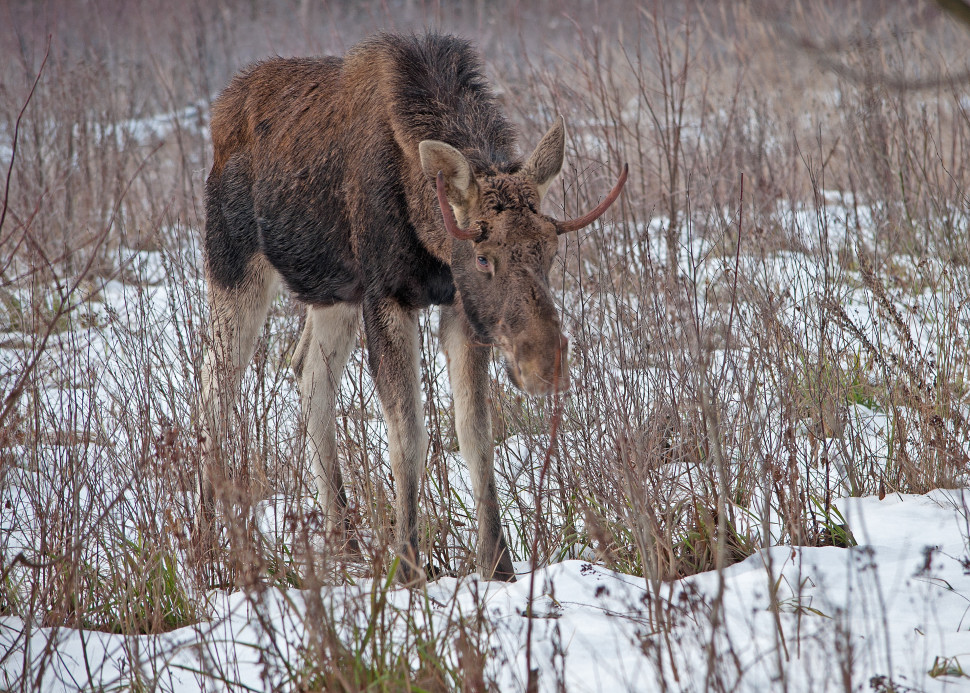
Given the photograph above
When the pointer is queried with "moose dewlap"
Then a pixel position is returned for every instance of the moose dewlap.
(377, 185)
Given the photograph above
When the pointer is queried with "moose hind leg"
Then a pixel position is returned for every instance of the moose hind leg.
(321, 356)
(236, 314)
(468, 373)
(394, 358)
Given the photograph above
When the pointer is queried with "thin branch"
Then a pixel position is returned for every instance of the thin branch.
(65, 307)
(16, 133)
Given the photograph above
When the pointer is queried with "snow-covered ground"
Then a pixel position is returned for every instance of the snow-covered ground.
(892, 613)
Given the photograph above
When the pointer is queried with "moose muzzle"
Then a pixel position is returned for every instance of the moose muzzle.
(539, 366)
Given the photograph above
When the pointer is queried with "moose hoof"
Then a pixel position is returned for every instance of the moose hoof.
(502, 576)
(503, 571)
(352, 550)
(409, 573)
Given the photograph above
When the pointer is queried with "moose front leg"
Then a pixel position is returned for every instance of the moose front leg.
(394, 357)
(468, 372)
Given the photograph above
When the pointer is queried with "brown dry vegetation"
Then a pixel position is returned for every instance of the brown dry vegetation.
(711, 386)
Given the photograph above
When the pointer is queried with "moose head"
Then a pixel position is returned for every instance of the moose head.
(502, 254)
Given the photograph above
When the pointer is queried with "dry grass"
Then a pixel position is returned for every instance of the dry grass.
(719, 390)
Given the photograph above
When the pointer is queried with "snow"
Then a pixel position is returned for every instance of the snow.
(800, 618)
(891, 607)
(892, 613)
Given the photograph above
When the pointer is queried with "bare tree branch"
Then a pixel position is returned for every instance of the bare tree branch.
(16, 133)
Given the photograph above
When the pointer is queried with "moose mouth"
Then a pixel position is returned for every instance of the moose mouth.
(537, 386)
(552, 379)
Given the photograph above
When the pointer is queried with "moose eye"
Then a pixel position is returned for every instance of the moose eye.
(483, 264)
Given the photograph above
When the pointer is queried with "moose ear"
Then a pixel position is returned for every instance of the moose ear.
(460, 186)
(546, 161)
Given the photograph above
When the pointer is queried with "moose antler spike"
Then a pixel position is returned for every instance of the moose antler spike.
(587, 219)
(449, 216)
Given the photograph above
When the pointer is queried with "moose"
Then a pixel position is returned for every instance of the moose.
(379, 184)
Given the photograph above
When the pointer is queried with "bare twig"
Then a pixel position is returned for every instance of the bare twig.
(16, 134)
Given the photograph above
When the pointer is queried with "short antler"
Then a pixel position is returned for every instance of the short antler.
(449, 216)
(587, 219)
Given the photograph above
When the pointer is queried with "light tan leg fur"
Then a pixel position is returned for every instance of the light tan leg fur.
(395, 357)
(468, 373)
(319, 362)
(236, 317)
